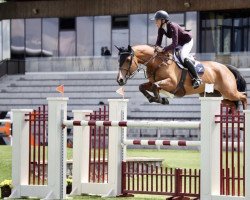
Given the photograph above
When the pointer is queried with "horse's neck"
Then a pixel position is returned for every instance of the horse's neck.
(170, 70)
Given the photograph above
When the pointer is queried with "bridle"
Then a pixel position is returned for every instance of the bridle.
(131, 53)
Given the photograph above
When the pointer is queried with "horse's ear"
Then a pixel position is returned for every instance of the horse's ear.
(119, 49)
(129, 48)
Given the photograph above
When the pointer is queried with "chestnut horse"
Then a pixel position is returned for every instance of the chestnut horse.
(164, 76)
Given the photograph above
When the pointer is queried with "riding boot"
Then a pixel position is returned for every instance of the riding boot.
(194, 75)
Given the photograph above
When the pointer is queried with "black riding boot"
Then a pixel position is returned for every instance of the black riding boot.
(196, 79)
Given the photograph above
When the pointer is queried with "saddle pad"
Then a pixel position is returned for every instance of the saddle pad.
(199, 68)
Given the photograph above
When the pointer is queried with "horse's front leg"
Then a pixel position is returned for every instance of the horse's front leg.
(144, 88)
(158, 99)
(165, 84)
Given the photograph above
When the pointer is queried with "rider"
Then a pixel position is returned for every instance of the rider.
(179, 37)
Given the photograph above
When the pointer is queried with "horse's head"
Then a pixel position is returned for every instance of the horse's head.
(127, 64)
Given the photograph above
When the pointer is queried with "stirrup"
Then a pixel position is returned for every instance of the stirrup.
(196, 83)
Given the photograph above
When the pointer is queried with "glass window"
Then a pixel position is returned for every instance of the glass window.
(1, 44)
(6, 38)
(120, 39)
(248, 39)
(226, 40)
(67, 42)
(33, 37)
(17, 38)
(178, 18)
(138, 29)
(237, 40)
(85, 36)
(102, 33)
(120, 22)
(50, 36)
(152, 30)
(67, 24)
(231, 30)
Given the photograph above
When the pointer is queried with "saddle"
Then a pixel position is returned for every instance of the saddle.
(180, 90)
(199, 68)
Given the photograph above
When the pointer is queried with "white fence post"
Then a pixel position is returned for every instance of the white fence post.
(117, 152)
(20, 151)
(247, 154)
(57, 142)
(210, 148)
(81, 139)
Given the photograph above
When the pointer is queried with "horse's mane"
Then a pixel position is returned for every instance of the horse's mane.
(149, 49)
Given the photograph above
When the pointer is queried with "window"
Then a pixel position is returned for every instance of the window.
(6, 38)
(67, 24)
(1, 45)
(120, 22)
(138, 29)
(50, 36)
(85, 34)
(67, 43)
(102, 25)
(227, 32)
(17, 38)
(33, 37)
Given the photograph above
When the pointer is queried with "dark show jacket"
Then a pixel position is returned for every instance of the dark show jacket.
(174, 31)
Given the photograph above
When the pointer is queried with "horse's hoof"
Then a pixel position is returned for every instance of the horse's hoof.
(151, 100)
(164, 101)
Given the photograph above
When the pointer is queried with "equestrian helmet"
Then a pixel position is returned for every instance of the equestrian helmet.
(161, 14)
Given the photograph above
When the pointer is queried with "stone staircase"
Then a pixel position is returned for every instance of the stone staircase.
(89, 90)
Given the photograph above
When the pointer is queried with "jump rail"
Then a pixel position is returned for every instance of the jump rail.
(146, 124)
(185, 143)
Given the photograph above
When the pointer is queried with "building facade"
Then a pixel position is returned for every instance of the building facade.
(92, 27)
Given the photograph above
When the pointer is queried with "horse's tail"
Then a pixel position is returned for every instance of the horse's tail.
(240, 81)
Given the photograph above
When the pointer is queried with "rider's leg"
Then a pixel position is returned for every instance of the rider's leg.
(189, 64)
(194, 75)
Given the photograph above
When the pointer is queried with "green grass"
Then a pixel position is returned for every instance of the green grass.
(5, 162)
(172, 158)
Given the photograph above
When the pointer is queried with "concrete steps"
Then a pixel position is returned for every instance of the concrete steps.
(90, 89)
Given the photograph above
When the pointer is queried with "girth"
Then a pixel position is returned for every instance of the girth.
(180, 90)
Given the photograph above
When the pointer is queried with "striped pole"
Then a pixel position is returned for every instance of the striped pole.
(185, 143)
(147, 124)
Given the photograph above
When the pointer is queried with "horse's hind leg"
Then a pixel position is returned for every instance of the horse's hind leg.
(237, 96)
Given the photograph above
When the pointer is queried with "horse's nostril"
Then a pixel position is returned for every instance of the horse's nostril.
(121, 80)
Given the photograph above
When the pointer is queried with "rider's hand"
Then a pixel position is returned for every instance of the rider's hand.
(159, 49)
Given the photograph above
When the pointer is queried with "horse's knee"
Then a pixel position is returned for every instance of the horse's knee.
(141, 88)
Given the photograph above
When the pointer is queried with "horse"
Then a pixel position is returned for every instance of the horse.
(164, 76)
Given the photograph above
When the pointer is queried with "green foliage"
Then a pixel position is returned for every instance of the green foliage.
(6, 183)
(69, 181)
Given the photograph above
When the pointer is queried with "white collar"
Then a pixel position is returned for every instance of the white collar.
(164, 26)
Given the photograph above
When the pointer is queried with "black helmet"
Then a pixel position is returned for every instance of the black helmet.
(161, 14)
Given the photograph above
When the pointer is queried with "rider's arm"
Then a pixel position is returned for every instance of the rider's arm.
(159, 37)
(174, 30)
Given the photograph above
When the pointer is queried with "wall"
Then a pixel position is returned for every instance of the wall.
(71, 8)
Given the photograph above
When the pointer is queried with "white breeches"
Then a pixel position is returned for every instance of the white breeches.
(185, 50)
